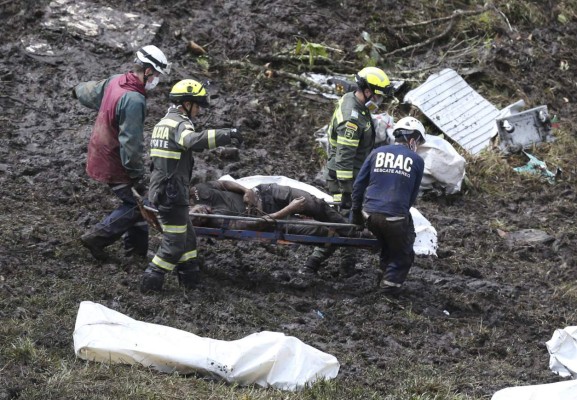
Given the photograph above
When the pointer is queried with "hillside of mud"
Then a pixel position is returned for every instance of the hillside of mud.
(470, 321)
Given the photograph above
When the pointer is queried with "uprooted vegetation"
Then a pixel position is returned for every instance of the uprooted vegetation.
(472, 320)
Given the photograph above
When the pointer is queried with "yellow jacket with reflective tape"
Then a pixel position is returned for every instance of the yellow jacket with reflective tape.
(171, 145)
(351, 139)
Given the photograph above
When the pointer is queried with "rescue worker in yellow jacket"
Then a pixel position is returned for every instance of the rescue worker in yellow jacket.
(351, 137)
(173, 140)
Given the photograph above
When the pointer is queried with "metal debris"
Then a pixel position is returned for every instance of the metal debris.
(536, 166)
(522, 130)
(470, 120)
(456, 109)
(105, 25)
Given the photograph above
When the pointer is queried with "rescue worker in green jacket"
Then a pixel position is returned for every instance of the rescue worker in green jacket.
(173, 140)
(351, 137)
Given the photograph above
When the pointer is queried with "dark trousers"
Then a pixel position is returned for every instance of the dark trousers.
(178, 245)
(396, 238)
(275, 197)
(124, 220)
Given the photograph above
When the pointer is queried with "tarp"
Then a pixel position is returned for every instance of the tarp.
(425, 242)
(552, 391)
(265, 358)
(444, 166)
(563, 361)
(563, 352)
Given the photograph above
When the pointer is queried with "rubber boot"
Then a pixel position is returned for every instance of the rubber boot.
(188, 274)
(135, 243)
(388, 287)
(311, 267)
(95, 244)
(152, 279)
(347, 264)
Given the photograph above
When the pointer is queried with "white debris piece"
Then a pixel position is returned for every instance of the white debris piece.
(105, 25)
(456, 109)
(563, 361)
(563, 352)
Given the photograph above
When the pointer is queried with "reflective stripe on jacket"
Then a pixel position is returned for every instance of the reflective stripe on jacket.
(351, 139)
(173, 141)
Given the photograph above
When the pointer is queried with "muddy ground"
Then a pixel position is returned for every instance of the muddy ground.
(476, 317)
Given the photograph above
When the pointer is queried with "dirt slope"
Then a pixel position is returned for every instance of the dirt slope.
(475, 318)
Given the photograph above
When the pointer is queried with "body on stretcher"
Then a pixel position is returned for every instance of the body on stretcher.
(278, 234)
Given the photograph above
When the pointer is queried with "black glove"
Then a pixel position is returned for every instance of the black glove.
(139, 185)
(346, 201)
(356, 217)
(235, 134)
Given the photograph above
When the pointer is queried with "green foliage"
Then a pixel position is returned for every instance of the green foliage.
(313, 50)
(203, 63)
(370, 52)
(321, 153)
(487, 21)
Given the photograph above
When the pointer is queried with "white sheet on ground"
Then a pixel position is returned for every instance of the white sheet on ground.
(551, 391)
(563, 352)
(562, 349)
(265, 358)
(425, 242)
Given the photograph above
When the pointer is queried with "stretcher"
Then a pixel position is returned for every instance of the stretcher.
(278, 234)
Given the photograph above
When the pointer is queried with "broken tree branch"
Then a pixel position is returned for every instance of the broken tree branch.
(425, 43)
(417, 71)
(320, 61)
(270, 72)
(504, 17)
(456, 14)
(297, 58)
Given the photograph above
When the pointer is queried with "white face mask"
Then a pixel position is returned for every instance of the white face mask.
(151, 84)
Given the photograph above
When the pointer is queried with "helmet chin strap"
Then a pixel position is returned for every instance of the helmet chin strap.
(188, 110)
(370, 96)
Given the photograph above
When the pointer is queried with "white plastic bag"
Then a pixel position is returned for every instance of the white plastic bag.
(443, 165)
(384, 125)
(264, 358)
(563, 352)
(551, 391)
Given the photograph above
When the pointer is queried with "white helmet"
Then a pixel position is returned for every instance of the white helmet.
(152, 55)
(409, 128)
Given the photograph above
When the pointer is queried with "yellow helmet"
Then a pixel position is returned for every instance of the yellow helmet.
(189, 90)
(375, 79)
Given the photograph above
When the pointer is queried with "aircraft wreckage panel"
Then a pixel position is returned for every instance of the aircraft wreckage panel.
(126, 31)
(456, 109)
